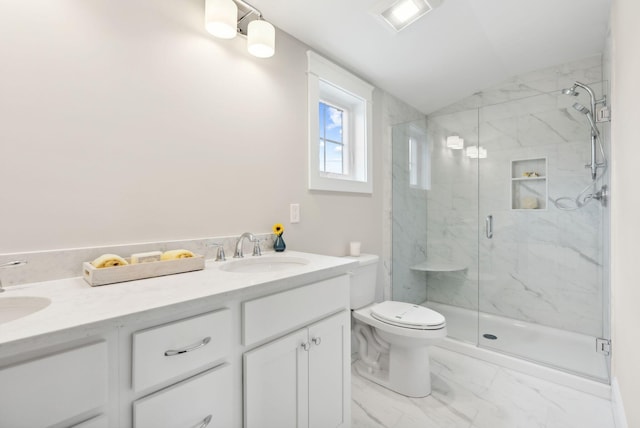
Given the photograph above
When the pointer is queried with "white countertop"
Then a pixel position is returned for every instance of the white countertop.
(75, 303)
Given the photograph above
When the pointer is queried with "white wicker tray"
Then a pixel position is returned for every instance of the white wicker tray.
(111, 275)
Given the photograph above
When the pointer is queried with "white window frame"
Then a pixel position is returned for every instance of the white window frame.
(333, 85)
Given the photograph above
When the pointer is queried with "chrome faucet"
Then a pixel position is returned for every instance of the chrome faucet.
(256, 245)
(9, 264)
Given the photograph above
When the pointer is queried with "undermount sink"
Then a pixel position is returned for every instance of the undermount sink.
(12, 308)
(262, 264)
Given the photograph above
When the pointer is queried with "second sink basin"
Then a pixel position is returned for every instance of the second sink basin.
(12, 308)
(264, 264)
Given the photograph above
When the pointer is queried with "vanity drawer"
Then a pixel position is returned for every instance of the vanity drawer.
(190, 403)
(49, 390)
(272, 315)
(179, 348)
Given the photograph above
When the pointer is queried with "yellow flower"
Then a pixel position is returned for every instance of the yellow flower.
(278, 229)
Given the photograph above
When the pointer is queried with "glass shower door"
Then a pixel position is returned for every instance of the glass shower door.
(435, 229)
(541, 287)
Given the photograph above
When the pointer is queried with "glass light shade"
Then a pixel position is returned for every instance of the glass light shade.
(472, 152)
(476, 152)
(455, 142)
(261, 38)
(221, 18)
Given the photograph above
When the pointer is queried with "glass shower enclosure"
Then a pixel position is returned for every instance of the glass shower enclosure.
(490, 236)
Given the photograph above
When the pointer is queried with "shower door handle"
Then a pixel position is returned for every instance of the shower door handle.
(488, 226)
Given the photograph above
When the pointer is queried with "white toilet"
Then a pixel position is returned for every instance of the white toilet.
(393, 337)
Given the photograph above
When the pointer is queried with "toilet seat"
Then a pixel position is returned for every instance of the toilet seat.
(407, 315)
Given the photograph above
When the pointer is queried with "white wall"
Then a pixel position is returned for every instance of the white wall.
(625, 209)
(126, 122)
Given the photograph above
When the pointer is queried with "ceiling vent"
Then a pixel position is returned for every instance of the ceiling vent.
(402, 13)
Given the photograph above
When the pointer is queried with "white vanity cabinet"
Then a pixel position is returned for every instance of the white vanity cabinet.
(214, 350)
(60, 388)
(301, 380)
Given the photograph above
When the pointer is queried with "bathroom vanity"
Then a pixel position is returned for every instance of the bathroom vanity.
(223, 347)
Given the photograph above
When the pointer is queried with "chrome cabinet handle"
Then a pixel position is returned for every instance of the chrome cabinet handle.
(488, 222)
(172, 352)
(316, 341)
(205, 422)
(305, 346)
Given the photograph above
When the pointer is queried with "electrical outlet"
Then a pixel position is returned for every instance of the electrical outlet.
(294, 213)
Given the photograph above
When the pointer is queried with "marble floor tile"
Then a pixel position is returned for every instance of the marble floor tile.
(469, 393)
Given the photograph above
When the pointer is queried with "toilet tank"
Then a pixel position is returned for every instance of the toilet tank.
(363, 280)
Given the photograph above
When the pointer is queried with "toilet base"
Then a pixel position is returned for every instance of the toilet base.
(403, 370)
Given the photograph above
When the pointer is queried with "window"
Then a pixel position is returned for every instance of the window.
(340, 152)
(334, 149)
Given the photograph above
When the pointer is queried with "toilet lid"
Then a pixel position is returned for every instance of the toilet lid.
(407, 315)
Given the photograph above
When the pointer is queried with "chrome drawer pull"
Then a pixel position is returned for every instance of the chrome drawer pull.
(205, 422)
(172, 352)
(306, 346)
(316, 341)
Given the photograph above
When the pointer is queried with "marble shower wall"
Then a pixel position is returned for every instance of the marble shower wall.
(544, 265)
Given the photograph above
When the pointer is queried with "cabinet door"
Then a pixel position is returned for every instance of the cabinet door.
(276, 384)
(50, 389)
(329, 372)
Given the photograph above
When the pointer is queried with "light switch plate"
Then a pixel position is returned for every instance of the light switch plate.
(294, 213)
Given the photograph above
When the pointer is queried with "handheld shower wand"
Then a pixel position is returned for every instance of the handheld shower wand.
(595, 134)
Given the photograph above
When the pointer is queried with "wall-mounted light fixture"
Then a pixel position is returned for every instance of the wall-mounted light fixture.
(226, 18)
(475, 152)
(455, 142)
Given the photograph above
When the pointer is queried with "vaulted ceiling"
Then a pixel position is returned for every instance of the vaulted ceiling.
(457, 49)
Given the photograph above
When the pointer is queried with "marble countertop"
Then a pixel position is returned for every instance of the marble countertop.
(74, 303)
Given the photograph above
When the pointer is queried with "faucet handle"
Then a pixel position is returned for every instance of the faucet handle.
(220, 256)
(256, 247)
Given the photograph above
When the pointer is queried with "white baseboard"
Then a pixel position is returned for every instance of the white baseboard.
(616, 403)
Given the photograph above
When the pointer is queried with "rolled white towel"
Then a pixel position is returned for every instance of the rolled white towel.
(176, 254)
(529, 203)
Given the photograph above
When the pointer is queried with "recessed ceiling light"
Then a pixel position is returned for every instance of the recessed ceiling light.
(401, 13)
(404, 10)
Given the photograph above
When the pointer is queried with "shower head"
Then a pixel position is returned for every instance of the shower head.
(582, 109)
(571, 91)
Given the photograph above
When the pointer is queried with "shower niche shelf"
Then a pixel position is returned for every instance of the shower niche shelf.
(529, 184)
